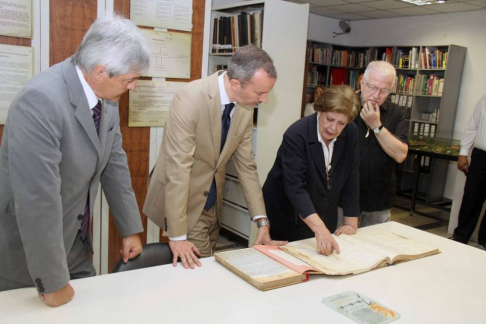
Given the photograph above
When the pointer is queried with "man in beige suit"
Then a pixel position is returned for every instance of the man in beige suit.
(185, 191)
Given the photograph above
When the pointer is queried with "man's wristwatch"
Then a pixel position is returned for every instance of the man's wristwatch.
(262, 222)
(378, 129)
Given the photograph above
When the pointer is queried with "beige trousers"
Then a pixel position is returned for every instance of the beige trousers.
(205, 233)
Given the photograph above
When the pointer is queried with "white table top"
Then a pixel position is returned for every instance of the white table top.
(446, 288)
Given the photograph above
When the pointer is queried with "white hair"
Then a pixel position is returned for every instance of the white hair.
(384, 68)
(115, 42)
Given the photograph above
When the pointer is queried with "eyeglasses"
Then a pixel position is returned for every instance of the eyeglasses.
(373, 89)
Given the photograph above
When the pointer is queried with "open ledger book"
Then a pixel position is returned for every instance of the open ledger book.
(268, 267)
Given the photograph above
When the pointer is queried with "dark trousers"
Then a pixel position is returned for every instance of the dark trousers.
(473, 200)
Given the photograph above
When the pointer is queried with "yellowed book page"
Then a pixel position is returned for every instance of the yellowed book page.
(257, 268)
(395, 247)
(352, 259)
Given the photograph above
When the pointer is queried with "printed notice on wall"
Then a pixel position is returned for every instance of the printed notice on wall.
(171, 54)
(16, 67)
(169, 14)
(16, 18)
(149, 103)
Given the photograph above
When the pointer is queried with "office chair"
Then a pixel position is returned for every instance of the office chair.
(153, 254)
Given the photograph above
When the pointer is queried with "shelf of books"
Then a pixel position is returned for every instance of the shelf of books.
(260, 23)
(426, 86)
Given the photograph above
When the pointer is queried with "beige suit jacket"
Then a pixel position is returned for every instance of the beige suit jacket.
(190, 157)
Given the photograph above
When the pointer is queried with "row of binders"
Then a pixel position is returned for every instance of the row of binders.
(233, 32)
(424, 129)
(405, 102)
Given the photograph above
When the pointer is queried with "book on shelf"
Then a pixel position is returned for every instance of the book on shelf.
(408, 108)
(268, 267)
(338, 76)
(416, 128)
(234, 31)
(217, 68)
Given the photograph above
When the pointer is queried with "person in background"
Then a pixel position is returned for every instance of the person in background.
(317, 166)
(185, 194)
(475, 188)
(309, 107)
(61, 139)
(383, 142)
(358, 82)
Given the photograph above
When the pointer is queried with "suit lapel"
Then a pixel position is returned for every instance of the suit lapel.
(103, 127)
(78, 99)
(338, 149)
(214, 112)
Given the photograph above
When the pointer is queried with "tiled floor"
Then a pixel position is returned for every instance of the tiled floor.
(436, 224)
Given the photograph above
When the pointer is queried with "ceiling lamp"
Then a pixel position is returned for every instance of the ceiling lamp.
(424, 2)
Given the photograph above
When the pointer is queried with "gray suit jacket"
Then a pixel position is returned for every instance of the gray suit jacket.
(50, 159)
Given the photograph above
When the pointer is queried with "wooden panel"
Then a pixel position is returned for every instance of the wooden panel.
(12, 41)
(68, 22)
(136, 140)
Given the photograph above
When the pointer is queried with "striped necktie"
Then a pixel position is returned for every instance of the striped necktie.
(85, 219)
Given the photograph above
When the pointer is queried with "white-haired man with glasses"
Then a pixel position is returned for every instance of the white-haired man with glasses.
(383, 142)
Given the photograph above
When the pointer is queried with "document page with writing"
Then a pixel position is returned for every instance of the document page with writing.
(395, 247)
(258, 269)
(352, 259)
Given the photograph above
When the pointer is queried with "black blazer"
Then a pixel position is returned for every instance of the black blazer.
(297, 183)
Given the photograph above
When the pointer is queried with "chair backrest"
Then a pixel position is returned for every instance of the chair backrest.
(152, 255)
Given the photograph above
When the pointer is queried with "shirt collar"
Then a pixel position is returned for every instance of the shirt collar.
(319, 138)
(222, 91)
(90, 95)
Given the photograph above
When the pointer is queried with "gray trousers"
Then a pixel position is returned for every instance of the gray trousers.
(79, 264)
(367, 218)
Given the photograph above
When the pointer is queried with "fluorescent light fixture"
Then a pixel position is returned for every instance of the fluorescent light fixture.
(424, 2)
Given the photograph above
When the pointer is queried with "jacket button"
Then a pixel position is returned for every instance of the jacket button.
(41, 289)
(80, 217)
(37, 280)
(206, 193)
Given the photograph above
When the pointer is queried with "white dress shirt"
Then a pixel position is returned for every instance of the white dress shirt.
(90, 95)
(327, 151)
(476, 129)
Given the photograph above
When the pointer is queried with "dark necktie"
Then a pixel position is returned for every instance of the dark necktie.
(85, 220)
(225, 125)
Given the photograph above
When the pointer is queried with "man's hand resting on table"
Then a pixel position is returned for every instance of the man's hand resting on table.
(186, 251)
(58, 298)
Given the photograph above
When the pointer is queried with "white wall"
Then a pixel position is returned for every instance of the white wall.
(463, 29)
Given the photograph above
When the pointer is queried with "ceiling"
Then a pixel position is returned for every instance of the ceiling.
(373, 9)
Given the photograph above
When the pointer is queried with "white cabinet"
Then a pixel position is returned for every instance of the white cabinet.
(284, 37)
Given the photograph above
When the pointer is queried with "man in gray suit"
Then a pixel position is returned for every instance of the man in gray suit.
(62, 138)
